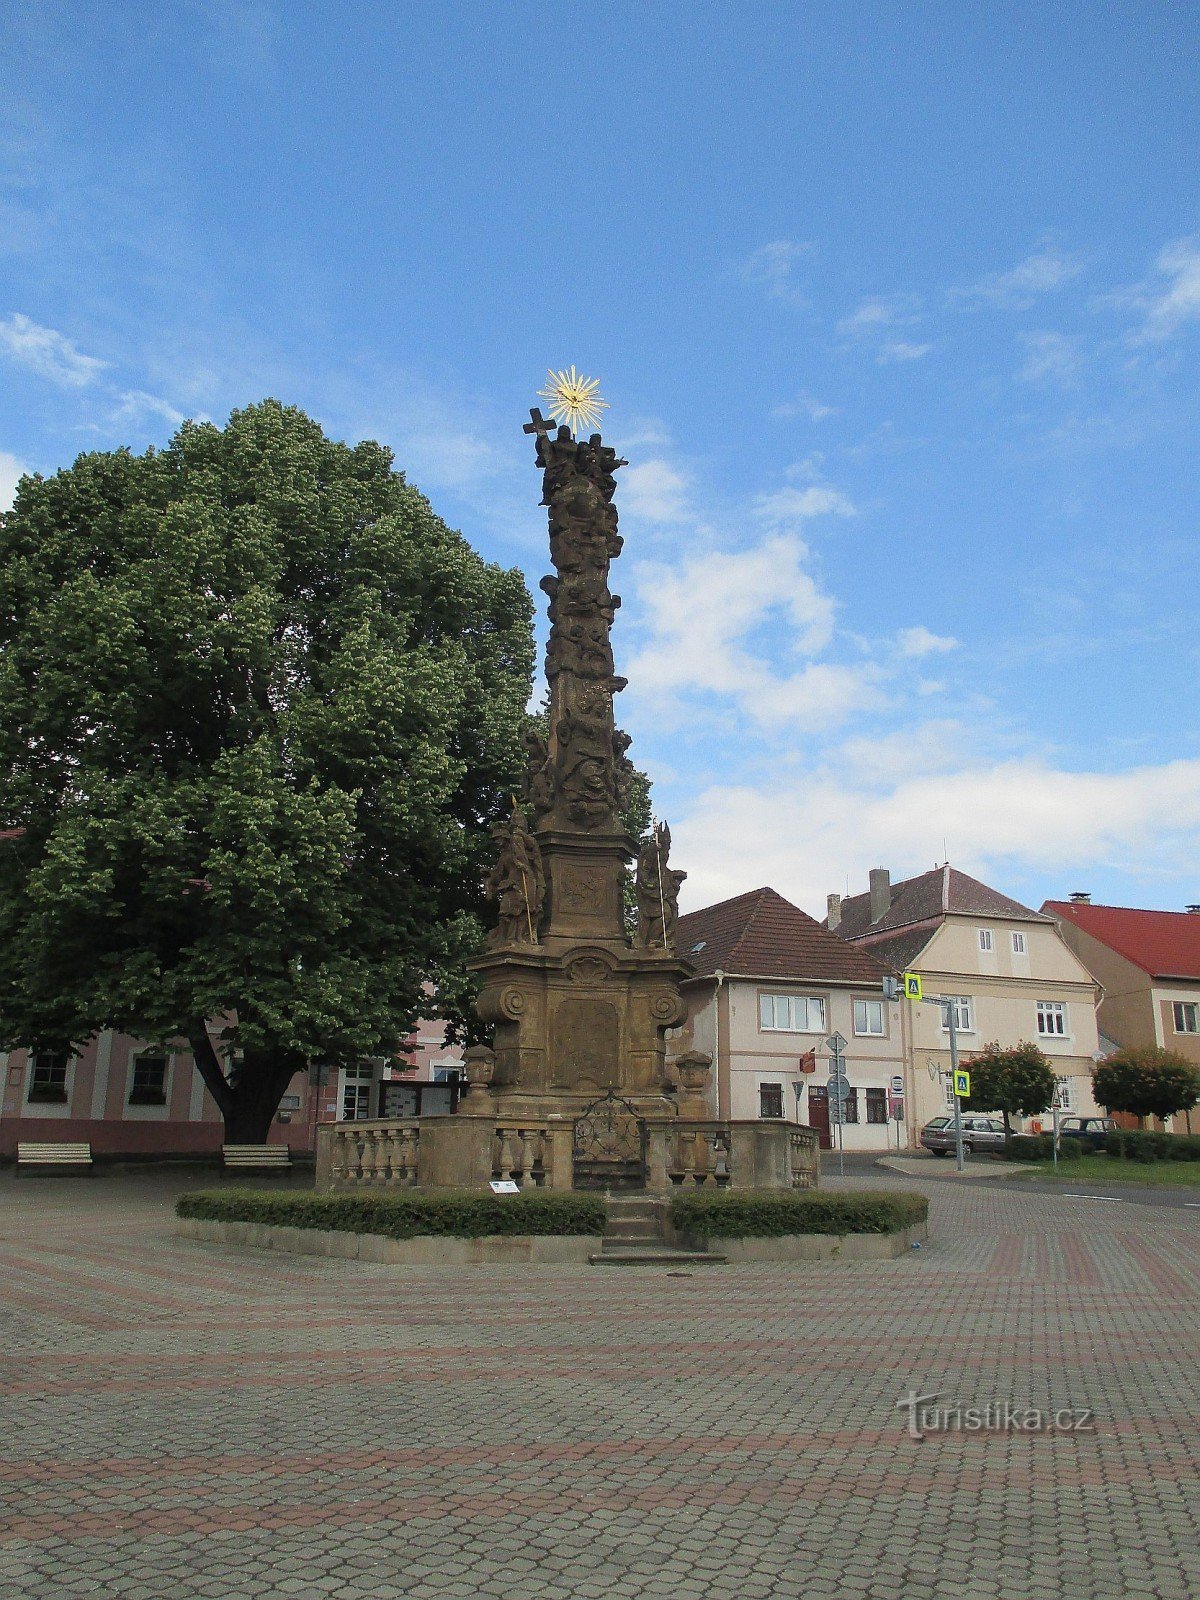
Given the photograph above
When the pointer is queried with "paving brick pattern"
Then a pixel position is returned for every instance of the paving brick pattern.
(184, 1420)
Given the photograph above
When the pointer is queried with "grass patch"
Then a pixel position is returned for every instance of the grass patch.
(753, 1215)
(1103, 1169)
(407, 1215)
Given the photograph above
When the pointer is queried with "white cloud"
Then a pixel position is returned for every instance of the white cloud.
(1179, 302)
(804, 405)
(10, 470)
(901, 350)
(880, 311)
(136, 406)
(1048, 268)
(913, 643)
(654, 490)
(47, 352)
(772, 266)
(790, 508)
(1052, 358)
(727, 623)
(993, 819)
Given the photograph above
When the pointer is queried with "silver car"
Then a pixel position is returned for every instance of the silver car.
(978, 1133)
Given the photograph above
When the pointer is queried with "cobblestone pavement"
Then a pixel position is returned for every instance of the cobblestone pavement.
(185, 1420)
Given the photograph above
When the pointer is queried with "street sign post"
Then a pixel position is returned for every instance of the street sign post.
(949, 1007)
(839, 1092)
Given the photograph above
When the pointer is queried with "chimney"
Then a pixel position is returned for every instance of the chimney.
(1079, 898)
(833, 906)
(881, 892)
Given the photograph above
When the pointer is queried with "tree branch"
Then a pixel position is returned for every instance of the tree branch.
(209, 1067)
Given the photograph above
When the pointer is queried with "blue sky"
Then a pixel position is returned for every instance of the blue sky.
(897, 311)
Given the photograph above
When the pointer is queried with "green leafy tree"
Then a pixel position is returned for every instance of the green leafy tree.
(258, 706)
(1146, 1082)
(1018, 1081)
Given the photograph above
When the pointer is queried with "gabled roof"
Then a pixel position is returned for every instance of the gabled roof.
(762, 935)
(1166, 944)
(943, 891)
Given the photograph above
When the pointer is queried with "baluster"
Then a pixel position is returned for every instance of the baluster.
(541, 1157)
(339, 1161)
(370, 1155)
(505, 1161)
(703, 1152)
(684, 1153)
(385, 1154)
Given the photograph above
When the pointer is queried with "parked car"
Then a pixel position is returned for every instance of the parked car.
(1096, 1129)
(978, 1133)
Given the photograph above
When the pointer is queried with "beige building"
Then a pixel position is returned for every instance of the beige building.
(771, 986)
(1148, 964)
(1009, 970)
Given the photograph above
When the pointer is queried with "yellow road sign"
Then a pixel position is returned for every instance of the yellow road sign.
(962, 1085)
(912, 985)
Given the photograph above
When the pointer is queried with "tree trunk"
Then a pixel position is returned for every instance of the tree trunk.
(249, 1098)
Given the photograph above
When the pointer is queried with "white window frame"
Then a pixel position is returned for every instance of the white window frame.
(49, 1108)
(964, 1008)
(1019, 946)
(870, 1033)
(1183, 1011)
(987, 944)
(1052, 1011)
(770, 1004)
(1064, 1094)
(357, 1082)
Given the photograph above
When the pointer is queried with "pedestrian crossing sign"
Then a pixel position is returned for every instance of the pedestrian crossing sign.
(912, 985)
(962, 1085)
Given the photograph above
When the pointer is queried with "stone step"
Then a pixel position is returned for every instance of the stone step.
(654, 1256)
(635, 1206)
(637, 1232)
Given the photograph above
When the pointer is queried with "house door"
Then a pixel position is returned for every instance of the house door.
(818, 1113)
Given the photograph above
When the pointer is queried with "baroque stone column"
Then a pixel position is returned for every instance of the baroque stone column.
(577, 1006)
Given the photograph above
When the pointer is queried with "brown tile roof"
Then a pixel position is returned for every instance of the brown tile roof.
(927, 899)
(762, 935)
(1166, 944)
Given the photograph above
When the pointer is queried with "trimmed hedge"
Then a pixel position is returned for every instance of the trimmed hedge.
(753, 1215)
(1030, 1147)
(403, 1215)
(1137, 1145)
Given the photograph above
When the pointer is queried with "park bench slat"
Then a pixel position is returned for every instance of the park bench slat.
(257, 1155)
(45, 1154)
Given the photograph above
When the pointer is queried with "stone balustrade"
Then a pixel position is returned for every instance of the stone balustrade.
(368, 1154)
(525, 1154)
(466, 1151)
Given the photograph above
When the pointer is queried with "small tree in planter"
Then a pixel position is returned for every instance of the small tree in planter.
(1146, 1082)
(1017, 1081)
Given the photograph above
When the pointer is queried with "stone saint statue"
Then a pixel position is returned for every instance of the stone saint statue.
(657, 892)
(517, 883)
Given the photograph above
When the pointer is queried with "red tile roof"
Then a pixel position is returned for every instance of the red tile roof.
(762, 935)
(1166, 944)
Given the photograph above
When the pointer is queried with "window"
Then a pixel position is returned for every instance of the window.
(985, 939)
(290, 1102)
(1052, 1018)
(877, 1110)
(356, 1093)
(791, 1013)
(962, 1014)
(1187, 1016)
(48, 1079)
(1063, 1095)
(1018, 941)
(868, 1017)
(770, 1100)
(149, 1086)
(850, 1107)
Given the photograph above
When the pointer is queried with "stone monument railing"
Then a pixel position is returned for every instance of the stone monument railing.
(469, 1151)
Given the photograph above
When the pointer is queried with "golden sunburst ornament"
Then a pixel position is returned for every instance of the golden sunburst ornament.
(573, 399)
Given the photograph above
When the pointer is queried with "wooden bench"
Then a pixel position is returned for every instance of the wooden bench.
(62, 1159)
(256, 1157)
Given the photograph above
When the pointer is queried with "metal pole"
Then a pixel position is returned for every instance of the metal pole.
(958, 1149)
(1054, 1115)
